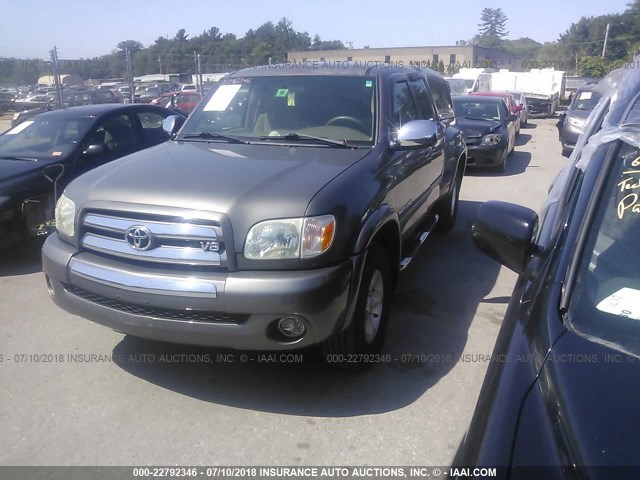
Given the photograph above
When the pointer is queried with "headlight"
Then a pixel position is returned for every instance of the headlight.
(576, 122)
(65, 216)
(491, 139)
(290, 238)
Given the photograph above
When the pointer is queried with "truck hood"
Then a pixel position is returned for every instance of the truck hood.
(248, 183)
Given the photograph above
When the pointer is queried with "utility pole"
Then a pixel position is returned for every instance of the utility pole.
(130, 76)
(160, 63)
(199, 72)
(195, 63)
(606, 38)
(56, 75)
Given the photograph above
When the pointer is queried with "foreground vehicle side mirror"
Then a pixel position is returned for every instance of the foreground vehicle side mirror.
(505, 232)
(95, 150)
(417, 134)
(172, 124)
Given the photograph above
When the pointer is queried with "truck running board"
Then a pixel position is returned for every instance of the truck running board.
(420, 239)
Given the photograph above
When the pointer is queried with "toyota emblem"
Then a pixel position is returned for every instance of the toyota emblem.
(139, 238)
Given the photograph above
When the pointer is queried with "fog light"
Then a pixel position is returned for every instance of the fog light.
(291, 327)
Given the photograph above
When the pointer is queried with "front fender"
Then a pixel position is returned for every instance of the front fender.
(455, 153)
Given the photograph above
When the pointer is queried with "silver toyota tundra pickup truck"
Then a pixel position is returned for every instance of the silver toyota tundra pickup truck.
(279, 215)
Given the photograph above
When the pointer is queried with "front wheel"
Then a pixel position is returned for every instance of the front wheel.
(448, 208)
(502, 166)
(353, 347)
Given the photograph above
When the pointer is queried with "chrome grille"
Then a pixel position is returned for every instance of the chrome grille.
(171, 241)
(162, 313)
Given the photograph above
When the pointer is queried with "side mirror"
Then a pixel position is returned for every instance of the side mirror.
(518, 108)
(417, 134)
(505, 232)
(172, 124)
(95, 150)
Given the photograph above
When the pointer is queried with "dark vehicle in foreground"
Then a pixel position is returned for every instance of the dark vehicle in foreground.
(278, 217)
(55, 147)
(571, 123)
(489, 129)
(70, 98)
(561, 392)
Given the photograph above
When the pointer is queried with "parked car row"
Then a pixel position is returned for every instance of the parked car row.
(70, 98)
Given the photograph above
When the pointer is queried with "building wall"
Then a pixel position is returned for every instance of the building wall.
(453, 57)
(65, 79)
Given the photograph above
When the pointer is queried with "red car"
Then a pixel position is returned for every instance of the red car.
(165, 100)
(187, 101)
(512, 105)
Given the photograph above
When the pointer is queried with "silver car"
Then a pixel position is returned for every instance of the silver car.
(521, 105)
(571, 123)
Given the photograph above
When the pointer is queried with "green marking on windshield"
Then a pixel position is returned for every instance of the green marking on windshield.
(282, 92)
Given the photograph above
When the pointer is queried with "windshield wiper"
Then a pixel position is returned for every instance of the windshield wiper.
(487, 119)
(213, 136)
(300, 136)
(24, 159)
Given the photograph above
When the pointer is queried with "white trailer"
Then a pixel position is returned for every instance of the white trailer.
(543, 88)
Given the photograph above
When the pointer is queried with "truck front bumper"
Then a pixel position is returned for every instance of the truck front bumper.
(237, 310)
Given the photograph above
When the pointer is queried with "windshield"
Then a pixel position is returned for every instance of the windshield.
(605, 305)
(333, 107)
(477, 110)
(43, 138)
(586, 101)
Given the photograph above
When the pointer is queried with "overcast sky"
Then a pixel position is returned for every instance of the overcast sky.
(88, 28)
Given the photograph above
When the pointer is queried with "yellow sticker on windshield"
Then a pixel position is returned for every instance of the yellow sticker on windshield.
(282, 92)
(291, 99)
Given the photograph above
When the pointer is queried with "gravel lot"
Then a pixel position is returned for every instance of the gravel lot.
(68, 408)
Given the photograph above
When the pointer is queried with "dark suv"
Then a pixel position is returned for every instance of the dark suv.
(73, 98)
(278, 217)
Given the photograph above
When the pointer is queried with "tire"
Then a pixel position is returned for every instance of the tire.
(365, 334)
(502, 166)
(447, 210)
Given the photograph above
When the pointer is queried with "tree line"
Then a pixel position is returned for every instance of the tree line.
(579, 50)
(219, 52)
